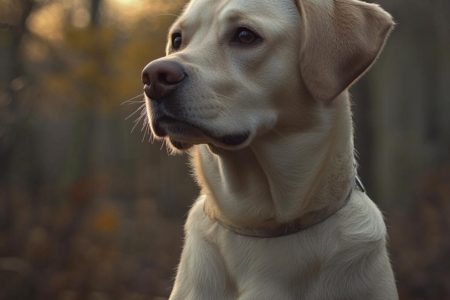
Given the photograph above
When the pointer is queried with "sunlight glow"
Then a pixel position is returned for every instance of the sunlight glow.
(49, 20)
(130, 10)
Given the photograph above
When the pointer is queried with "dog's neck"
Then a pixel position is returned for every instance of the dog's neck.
(282, 176)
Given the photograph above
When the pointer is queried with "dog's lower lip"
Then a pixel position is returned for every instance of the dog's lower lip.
(162, 126)
(235, 139)
(180, 145)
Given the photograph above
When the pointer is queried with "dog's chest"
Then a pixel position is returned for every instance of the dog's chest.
(271, 266)
(289, 267)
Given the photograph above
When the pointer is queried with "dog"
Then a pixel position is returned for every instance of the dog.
(256, 92)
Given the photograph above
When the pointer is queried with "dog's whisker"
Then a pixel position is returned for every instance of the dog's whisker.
(133, 100)
(143, 136)
(146, 132)
(150, 135)
(134, 127)
(139, 109)
(137, 121)
(143, 128)
(144, 124)
(151, 138)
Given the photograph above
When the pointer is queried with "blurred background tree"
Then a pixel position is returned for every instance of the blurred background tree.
(89, 211)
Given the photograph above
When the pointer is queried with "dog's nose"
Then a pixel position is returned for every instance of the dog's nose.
(161, 78)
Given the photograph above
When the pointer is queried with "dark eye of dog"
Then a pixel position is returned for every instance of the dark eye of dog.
(245, 36)
(177, 40)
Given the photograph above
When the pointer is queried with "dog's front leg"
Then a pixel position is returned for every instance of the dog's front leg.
(202, 274)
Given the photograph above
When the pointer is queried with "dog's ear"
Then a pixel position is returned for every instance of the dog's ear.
(342, 39)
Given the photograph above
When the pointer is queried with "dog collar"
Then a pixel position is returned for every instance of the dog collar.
(305, 222)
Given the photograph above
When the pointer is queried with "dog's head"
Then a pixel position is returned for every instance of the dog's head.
(236, 69)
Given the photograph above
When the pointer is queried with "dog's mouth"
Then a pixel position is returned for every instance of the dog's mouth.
(183, 135)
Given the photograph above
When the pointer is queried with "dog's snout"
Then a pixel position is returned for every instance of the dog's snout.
(161, 78)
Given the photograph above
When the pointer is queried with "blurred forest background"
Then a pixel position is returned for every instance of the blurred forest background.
(89, 211)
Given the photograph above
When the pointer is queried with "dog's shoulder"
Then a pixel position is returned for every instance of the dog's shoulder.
(361, 221)
(357, 254)
(197, 222)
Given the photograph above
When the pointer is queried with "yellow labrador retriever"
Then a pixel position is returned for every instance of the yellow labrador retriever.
(256, 92)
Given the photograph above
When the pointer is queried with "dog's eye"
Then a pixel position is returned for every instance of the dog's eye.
(245, 36)
(177, 41)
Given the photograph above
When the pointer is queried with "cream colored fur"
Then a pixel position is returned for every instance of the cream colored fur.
(290, 93)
